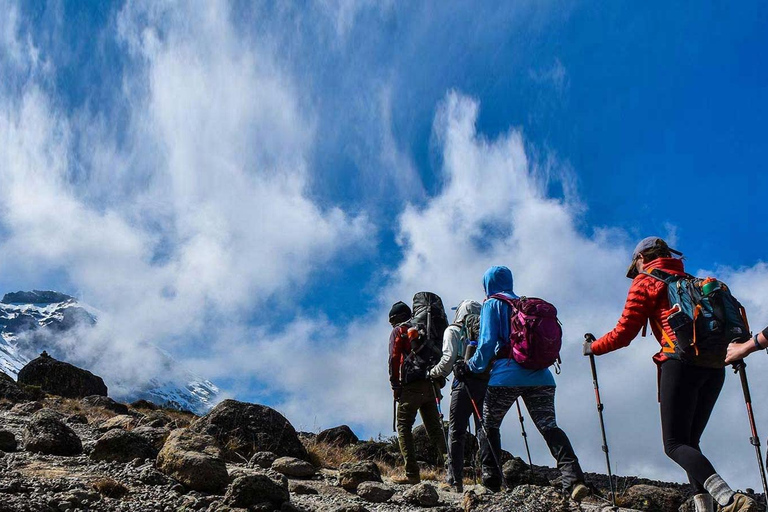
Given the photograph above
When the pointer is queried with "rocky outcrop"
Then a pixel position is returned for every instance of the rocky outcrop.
(60, 378)
(46, 434)
(8, 441)
(427, 452)
(375, 492)
(377, 451)
(11, 391)
(195, 460)
(339, 436)
(121, 446)
(155, 437)
(352, 474)
(516, 472)
(106, 403)
(245, 429)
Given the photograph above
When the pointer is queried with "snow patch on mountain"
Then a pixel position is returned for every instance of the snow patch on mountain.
(31, 322)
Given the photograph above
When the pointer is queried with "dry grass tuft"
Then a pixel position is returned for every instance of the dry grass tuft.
(69, 406)
(329, 456)
(110, 488)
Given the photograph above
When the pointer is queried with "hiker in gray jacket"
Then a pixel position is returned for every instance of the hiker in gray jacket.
(455, 339)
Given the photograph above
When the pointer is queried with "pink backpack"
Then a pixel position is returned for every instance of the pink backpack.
(535, 332)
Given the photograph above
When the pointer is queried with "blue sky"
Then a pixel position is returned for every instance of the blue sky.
(249, 179)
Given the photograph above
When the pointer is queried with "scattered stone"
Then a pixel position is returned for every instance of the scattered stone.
(375, 492)
(262, 459)
(339, 436)
(8, 441)
(246, 491)
(195, 460)
(110, 488)
(144, 404)
(299, 488)
(26, 408)
(650, 498)
(517, 472)
(423, 495)
(249, 428)
(77, 419)
(351, 508)
(291, 466)
(122, 421)
(352, 474)
(121, 446)
(46, 434)
(104, 402)
(60, 378)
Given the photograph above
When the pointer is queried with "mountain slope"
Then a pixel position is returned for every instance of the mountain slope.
(31, 322)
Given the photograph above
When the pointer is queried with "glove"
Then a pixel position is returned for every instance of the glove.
(460, 370)
(396, 393)
(588, 339)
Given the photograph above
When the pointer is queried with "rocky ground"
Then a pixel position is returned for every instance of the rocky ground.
(91, 453)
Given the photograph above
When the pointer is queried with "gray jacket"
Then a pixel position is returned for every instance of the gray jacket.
(453, 345)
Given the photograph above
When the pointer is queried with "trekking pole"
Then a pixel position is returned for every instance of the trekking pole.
(740, 367)
(474, 452)
(487, 439)
(524, 433)
(394, 414)
(589, 337)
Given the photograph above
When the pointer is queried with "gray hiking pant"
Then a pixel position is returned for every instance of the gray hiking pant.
(461, 410)
(540, 402)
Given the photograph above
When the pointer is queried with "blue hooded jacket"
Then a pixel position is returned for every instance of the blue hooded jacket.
(494, 334)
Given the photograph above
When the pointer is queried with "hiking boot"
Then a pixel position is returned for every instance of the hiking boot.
(451, 487)
(740, 503)
(406, 480)
(579, 491)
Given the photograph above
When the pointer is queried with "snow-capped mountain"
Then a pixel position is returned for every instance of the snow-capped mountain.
(31, 322)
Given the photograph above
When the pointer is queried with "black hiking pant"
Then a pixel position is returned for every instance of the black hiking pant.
(461, 410)
(540, 402)
(687, 395)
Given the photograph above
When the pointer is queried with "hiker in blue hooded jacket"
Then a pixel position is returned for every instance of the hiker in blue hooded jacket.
(510, 381)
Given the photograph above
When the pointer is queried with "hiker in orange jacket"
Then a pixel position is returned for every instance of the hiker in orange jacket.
(687, 392)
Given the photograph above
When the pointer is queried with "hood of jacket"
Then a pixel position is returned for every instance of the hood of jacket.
(467, 307)
(498, 279)
(671, 265)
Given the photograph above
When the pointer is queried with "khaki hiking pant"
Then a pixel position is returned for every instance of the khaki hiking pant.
(418, 397)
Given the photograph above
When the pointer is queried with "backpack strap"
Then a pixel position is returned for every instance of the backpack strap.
(669, 345)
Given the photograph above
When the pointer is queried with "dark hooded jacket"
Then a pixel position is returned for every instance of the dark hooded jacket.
(494, 335)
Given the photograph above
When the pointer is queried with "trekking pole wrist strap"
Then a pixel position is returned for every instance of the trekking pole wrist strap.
(757, 342)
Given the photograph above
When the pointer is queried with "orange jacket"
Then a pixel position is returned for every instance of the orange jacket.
(647, 300)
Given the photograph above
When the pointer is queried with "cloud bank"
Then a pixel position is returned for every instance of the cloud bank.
(188, 213)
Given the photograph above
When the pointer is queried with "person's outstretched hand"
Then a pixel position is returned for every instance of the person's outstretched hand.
(738, 351)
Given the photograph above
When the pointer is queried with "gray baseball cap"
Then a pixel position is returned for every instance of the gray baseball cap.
(645, 244)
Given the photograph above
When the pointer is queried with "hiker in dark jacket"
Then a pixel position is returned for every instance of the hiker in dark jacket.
(687, 393)
(510, 381)
(738, 351)
(412, 398)
(455, 340)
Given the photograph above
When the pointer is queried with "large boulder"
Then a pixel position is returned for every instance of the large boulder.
(121, 446)
(247, 491)
(245, 429)
(154, 436)
(427, 452)
(422, 495)
(46, 434)
(122, 421)
(352, 474)
(339, 436)
(11, 391)
(195, 460)
(378, 451)
(60, 378)
(7, 441)
(375, 492)
(517, 472)
(104, 402)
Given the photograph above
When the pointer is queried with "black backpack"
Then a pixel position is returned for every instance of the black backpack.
(430, 320)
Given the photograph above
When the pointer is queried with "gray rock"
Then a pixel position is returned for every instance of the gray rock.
(291, 466)
(423, 495)
(77, 419)
(517, 472)
(375, 492)
(11, 391)
(121, 446)
(262, 459)
(46, 434)
(195, 460)
(154, 436)
(247, 491)
(352, 474)
(249, 428)
(104, 402)
(354, 507)
(299, 488)
(339, 436)
(8, 441)
(122, 421)
(26, 408)
(652, 499)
